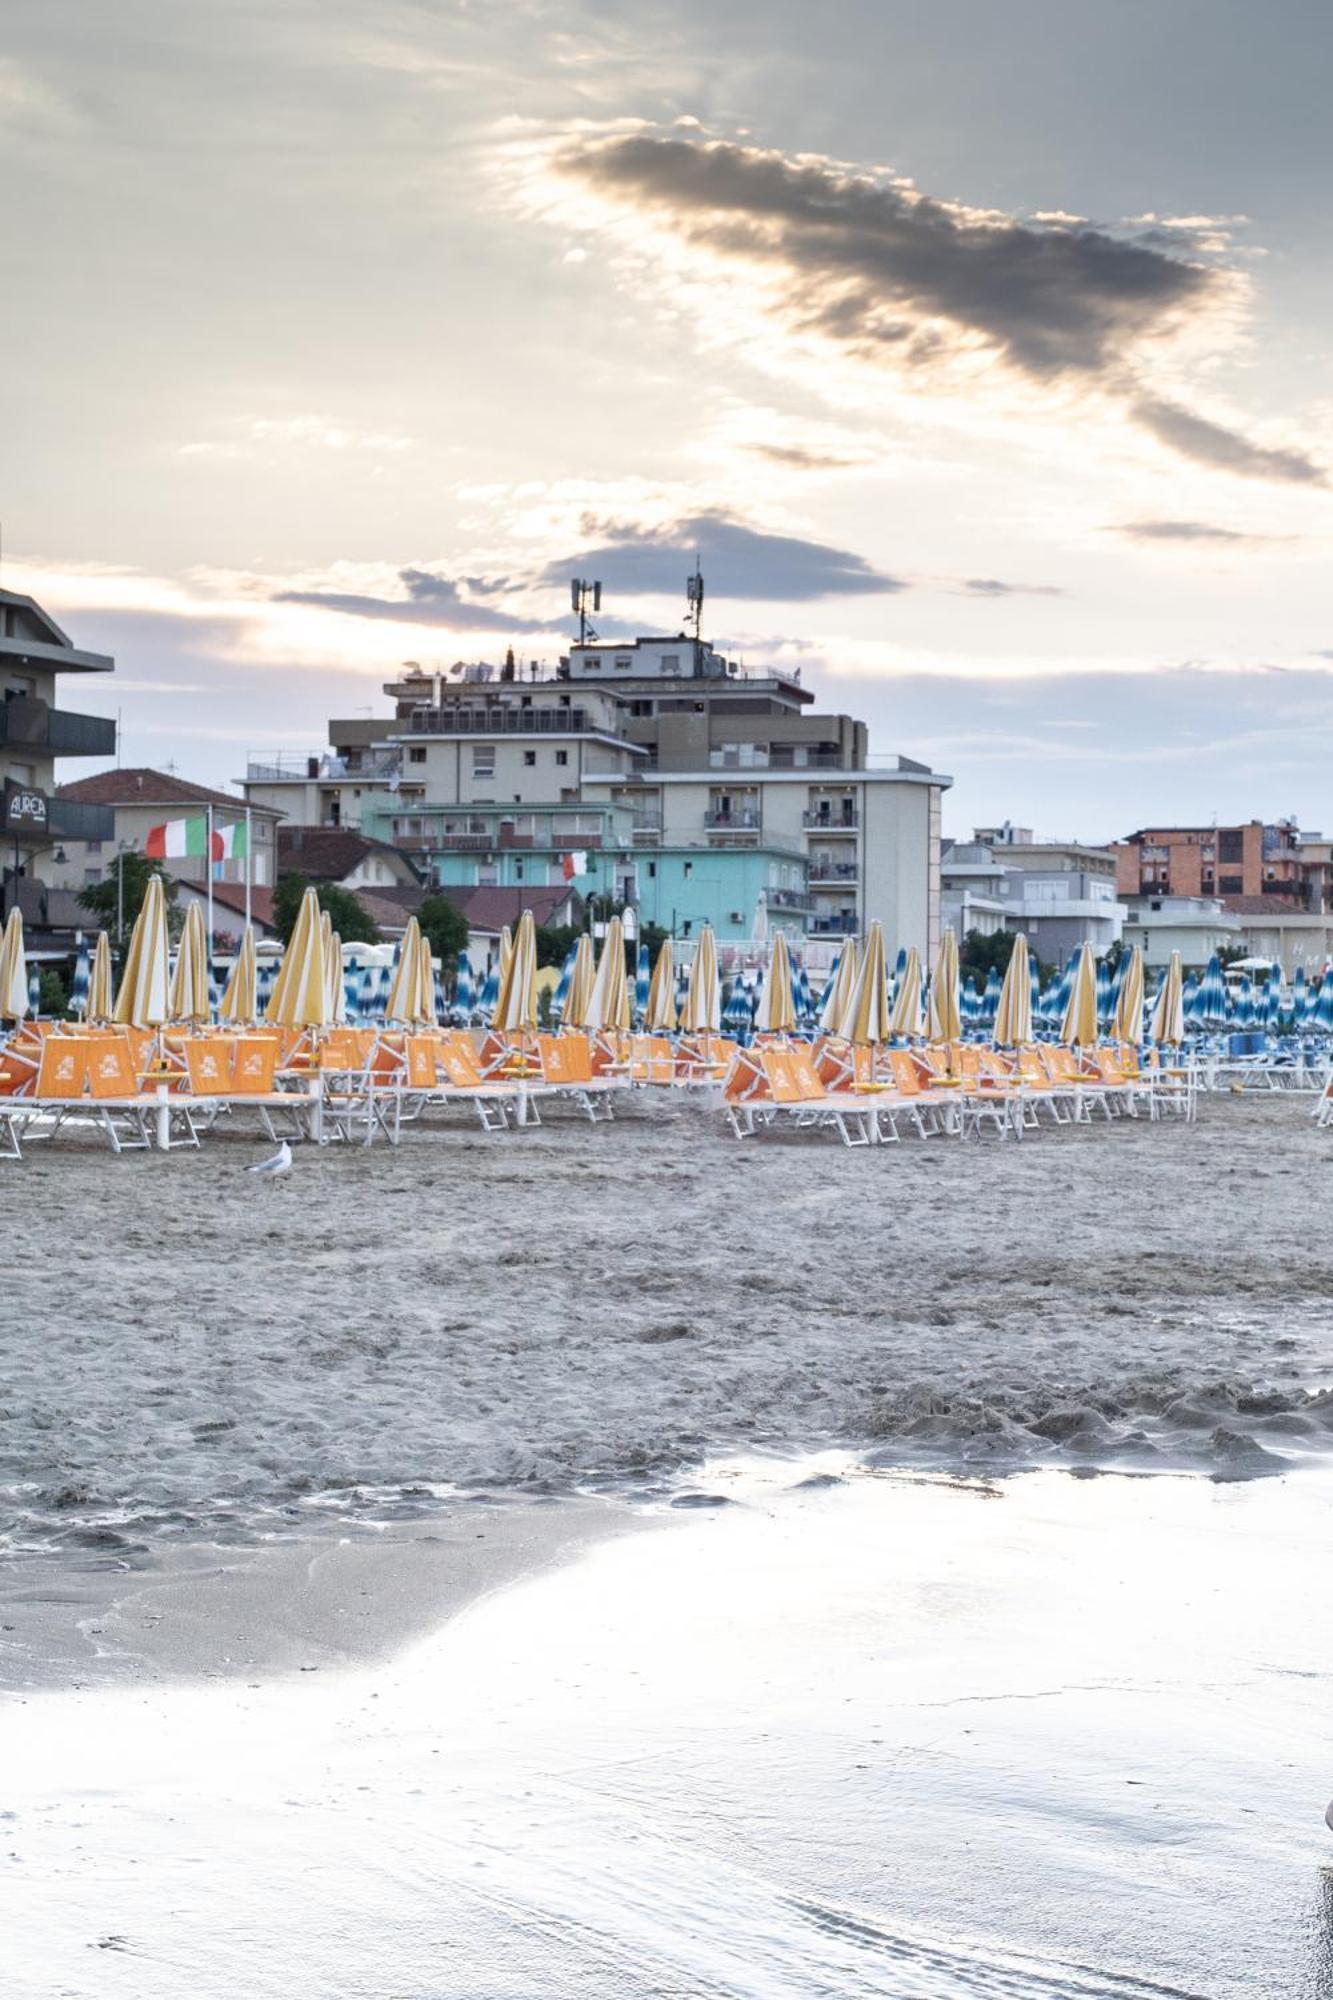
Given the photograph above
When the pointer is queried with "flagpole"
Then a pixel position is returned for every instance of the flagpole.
(208, 878)
(249, 865)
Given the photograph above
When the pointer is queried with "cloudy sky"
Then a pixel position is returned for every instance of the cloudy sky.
(982, 352)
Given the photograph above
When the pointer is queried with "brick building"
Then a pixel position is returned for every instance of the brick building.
(1215, 861)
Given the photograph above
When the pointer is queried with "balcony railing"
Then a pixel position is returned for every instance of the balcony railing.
(788, 899)
(844, 821)
(826, 923)
(833, 871)
(71, 819)
(27, 723)
(733, 819)
(500, 722)
(372, 767)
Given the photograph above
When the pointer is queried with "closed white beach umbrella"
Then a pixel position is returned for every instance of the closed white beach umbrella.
(946, 1014)
(834, 1010)
(1167, 1027)
(13, 969)
(300, 996)
(906, 1016)
(516, 1003)
(702, 1013)
(1013, 1014)
(189, 984)
(609, 1002)
(240, 997)
(868, 1021)
(777, 1013)
(101, 1001)
(1128, 1022)
(1078, 1027)
(144, 992)
(662, 1011)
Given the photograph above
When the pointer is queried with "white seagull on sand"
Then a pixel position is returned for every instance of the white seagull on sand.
(281, 1163)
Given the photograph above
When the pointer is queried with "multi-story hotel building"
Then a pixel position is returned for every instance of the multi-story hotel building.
(687, 784)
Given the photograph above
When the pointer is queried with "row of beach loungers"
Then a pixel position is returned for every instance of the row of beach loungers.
(142, 1088)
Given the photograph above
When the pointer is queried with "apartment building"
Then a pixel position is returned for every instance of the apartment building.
(34, 733)
(1060, 894)
(1252, 859)
(659, 772)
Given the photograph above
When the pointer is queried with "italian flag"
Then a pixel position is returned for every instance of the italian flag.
(575, 863)
(177, 839)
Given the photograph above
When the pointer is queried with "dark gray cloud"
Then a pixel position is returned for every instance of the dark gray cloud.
(994, 586)
(877, 266)
(1214, 444)
(803, 459)
(1201, 532)
(888, 273)
(430, 600)
(738, 562)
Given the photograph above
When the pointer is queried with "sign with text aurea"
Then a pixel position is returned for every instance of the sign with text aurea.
(26, 810)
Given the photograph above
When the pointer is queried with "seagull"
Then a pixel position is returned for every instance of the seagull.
(281, 1163)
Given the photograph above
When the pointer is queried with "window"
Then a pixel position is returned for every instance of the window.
(671, 663)
(622, 663)
(1231, 885)
(483, 760)
(652, 871)
(529, 758)
(562, 756)
(1231, 846)
(417, 754)
(518, 871)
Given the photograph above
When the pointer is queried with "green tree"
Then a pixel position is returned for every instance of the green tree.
(124, 890)
(981, 955)
(555, 942)
(54, 1000)
(444, 928)
(349, 917)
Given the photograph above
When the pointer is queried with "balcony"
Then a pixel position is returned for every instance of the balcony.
(478, 721)
(788, 899)
(29, 724)
(844, 820)
(732, 819)
(71, 819)
(830, 923)
(371, 768)
(833, 871)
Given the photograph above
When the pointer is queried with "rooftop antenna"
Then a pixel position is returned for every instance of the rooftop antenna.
(582, 593)
(694, 594)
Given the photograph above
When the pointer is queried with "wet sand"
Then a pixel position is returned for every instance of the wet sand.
(850, 1735)
(198, 1369)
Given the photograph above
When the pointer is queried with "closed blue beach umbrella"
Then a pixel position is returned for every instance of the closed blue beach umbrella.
(465, 991)
(490, 990)
(562, 984)
(826, 990)
(78, 992)
(643, 975)
(1106, 991)
(1312, 1001)
(1244, 1015)
(899, 968)
(969, 1002)
(352, 995)
(1323, 1005)
(1211, 1004)
(990, 999)
(1189, 1001)
(384, 988)
(34, 991)
(737, 1015)
(1299, 998)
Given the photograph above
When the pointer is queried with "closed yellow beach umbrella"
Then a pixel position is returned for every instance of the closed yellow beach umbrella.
(609, 1004)
(1168, 1015)
(574, 1012)
(946, 1020)
(333, 974)
(1129, 1000)
(144, 993)
(240, 998)
(662, 1012)
(1013, 1015)
(833, 1013)
(300, 995)
(867, 1019)
(777, 1009)
(1079, 1026)
(703, 993)
(906, 1018)
(189, 982)
(13, 969)
(405, 994)
(516, 1005)
(504, 951)
(100, 1000)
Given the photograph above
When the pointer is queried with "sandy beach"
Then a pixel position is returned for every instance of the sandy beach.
(528, 1516)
